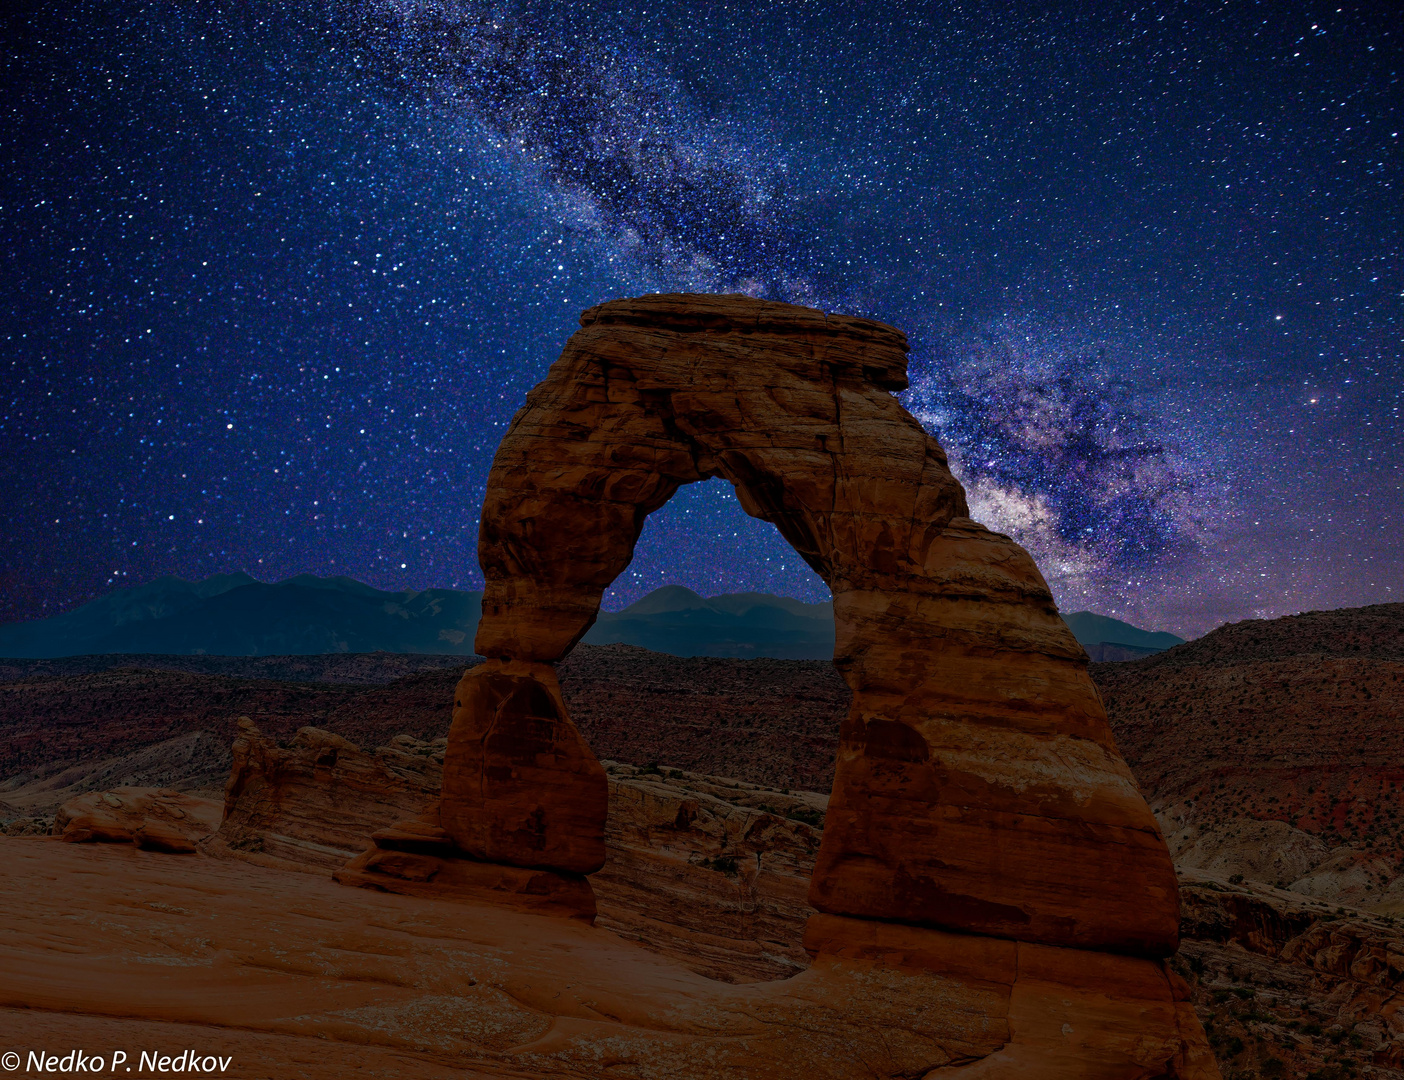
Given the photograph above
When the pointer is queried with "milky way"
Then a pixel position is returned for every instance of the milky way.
(278, 275)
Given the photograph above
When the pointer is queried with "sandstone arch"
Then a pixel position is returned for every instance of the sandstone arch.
(978, 788)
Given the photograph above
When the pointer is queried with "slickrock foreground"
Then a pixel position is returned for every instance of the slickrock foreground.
(298, 977)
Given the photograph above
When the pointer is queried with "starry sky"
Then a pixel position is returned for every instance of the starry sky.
(275, 276)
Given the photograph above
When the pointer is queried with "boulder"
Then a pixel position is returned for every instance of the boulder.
(95, 828)
(156, 819)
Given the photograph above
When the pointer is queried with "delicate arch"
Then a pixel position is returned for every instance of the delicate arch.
(977, 787)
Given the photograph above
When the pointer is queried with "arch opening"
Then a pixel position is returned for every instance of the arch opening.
(703, 540)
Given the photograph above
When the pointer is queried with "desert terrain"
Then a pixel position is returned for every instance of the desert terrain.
(1268, 751)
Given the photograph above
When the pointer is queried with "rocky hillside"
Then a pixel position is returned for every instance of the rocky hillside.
(1275, 750)
(763, 721)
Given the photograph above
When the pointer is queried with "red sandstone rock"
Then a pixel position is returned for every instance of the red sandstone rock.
(709, 870)
(978, 787)
(314, 802)
(1068, 1012)
(418, 857)
(453, 877)
(95, 828)
(162, 836)
(156, 819)
(520, 786)
(298, 977)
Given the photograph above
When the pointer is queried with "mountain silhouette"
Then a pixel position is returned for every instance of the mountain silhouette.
(235, 615)
(1106, 638)
(677, 620)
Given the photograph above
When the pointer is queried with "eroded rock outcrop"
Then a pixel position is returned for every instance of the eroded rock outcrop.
(708, 870)
(978, 787)
(1271, 749)
(313, 802)
(1277, 976)
(155, 819)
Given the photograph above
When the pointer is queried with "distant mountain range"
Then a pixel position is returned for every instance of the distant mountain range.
(677, 620)
(1106, 638)
(235, 615)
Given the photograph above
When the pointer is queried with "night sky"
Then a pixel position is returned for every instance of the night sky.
(275, 276)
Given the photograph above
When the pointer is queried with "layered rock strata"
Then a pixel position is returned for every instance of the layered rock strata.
(710, 871)
(978, 787)
(1291, 986)
(155, 819)
(313, 802)
(418, 858)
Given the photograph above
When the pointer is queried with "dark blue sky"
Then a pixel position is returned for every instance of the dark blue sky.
(275, 276)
